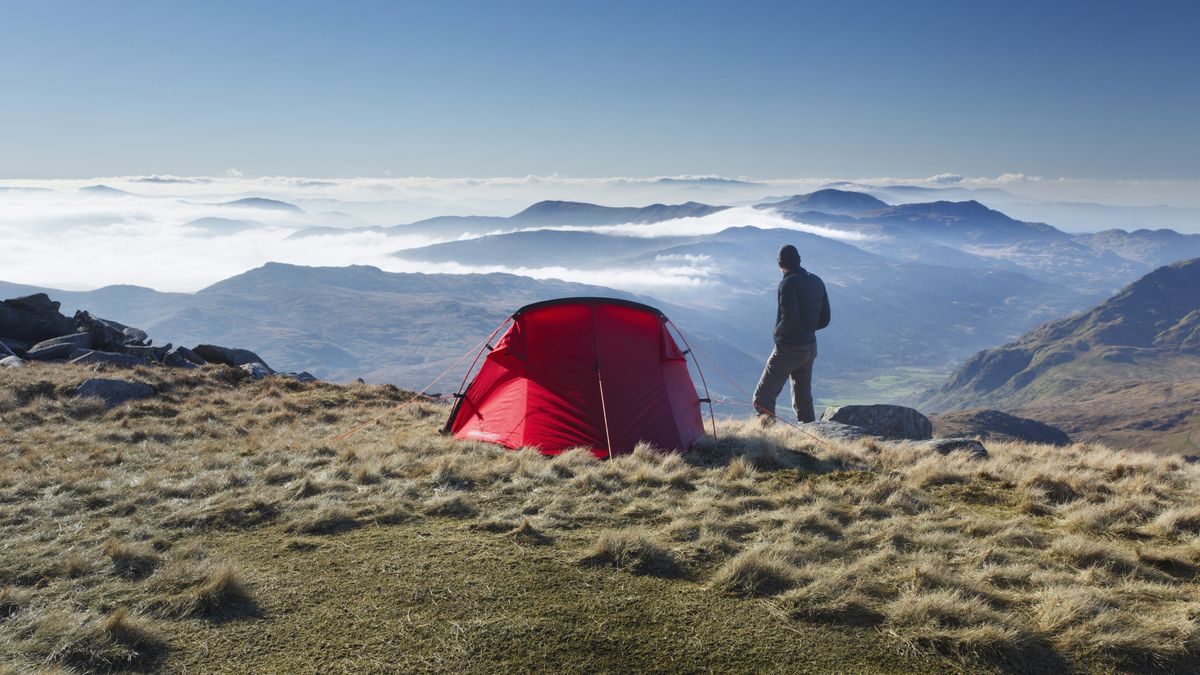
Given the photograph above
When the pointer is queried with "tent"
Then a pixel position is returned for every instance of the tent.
(595, 372)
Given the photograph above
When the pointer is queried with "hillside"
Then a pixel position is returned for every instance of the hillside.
(888, 314)
(217, 527)
(1129, 365)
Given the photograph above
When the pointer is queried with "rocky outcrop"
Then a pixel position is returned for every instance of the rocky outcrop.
(227, 355)
(114, 392)
(996, 425)
(32, 319)
(182, 357)
(108, 358)
(891, 422)
(109, 334)
(60, 347)
(31, 328)
(257, 370)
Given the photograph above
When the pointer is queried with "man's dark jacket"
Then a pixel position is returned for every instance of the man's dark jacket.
(803, 308)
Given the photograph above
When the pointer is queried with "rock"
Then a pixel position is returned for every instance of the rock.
(109, 335)
(182, 357)
(12, 347)
(835, 431)
(108, 358)
(59, 347)
(945, 446)
(38, 302)
(303, 376)
(32, 319)
(996, 425)
(257, 370)
(228, 355)
(11, 362)
(114, 392)
(152, 354)
(886, 421)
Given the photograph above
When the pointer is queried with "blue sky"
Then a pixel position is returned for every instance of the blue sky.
(1082, 89)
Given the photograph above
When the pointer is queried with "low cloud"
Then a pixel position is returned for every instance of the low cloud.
(52, 233)
(722, 220)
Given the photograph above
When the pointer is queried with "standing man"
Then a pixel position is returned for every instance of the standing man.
(803, 310)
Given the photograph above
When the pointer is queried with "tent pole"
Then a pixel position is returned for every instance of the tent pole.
(711, 417)
(462, 386)
(604, 410)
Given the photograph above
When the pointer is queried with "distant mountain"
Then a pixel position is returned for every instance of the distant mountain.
(541, 214)
(264, 203)
(1149, 247)
(961, 222)
(104, 190)
(1134, 361)
(570, 248)
(829, 201)
(969, 234)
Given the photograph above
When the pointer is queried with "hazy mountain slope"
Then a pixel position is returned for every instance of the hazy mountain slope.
(345, 322)
(829, 201)
(888, 314)
(540, 247)
(1092, 363)
(542, 214)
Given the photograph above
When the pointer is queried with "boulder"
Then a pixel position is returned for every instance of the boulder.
(228, 355)
(885, 421)
(11, 347)
(109, 335)
(59, 347)
(303, 376)
(182, 357)
(38, 302)
(835, 431)
(108, 358)
(32, 319)
(257, 370)
(945, 446)
(114, 392)
(11, 362)
(997, 425)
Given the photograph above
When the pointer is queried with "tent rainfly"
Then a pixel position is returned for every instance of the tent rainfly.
(582, 372)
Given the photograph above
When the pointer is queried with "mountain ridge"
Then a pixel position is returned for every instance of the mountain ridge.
(1144, 338)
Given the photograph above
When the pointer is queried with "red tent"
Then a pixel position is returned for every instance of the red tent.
(593, 372)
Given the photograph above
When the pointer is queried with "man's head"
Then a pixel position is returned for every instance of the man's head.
(789, 258)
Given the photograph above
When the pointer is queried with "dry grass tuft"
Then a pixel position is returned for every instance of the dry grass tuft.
(130, 561)
(329, 518)
(1180, 520)
(89, 641)
(221, 592)
(13, 600)
(755, 572)
(526, 532)
(1083, 552)
(633, 551)
(451, 505)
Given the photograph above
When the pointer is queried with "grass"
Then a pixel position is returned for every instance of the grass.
(217, 528)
